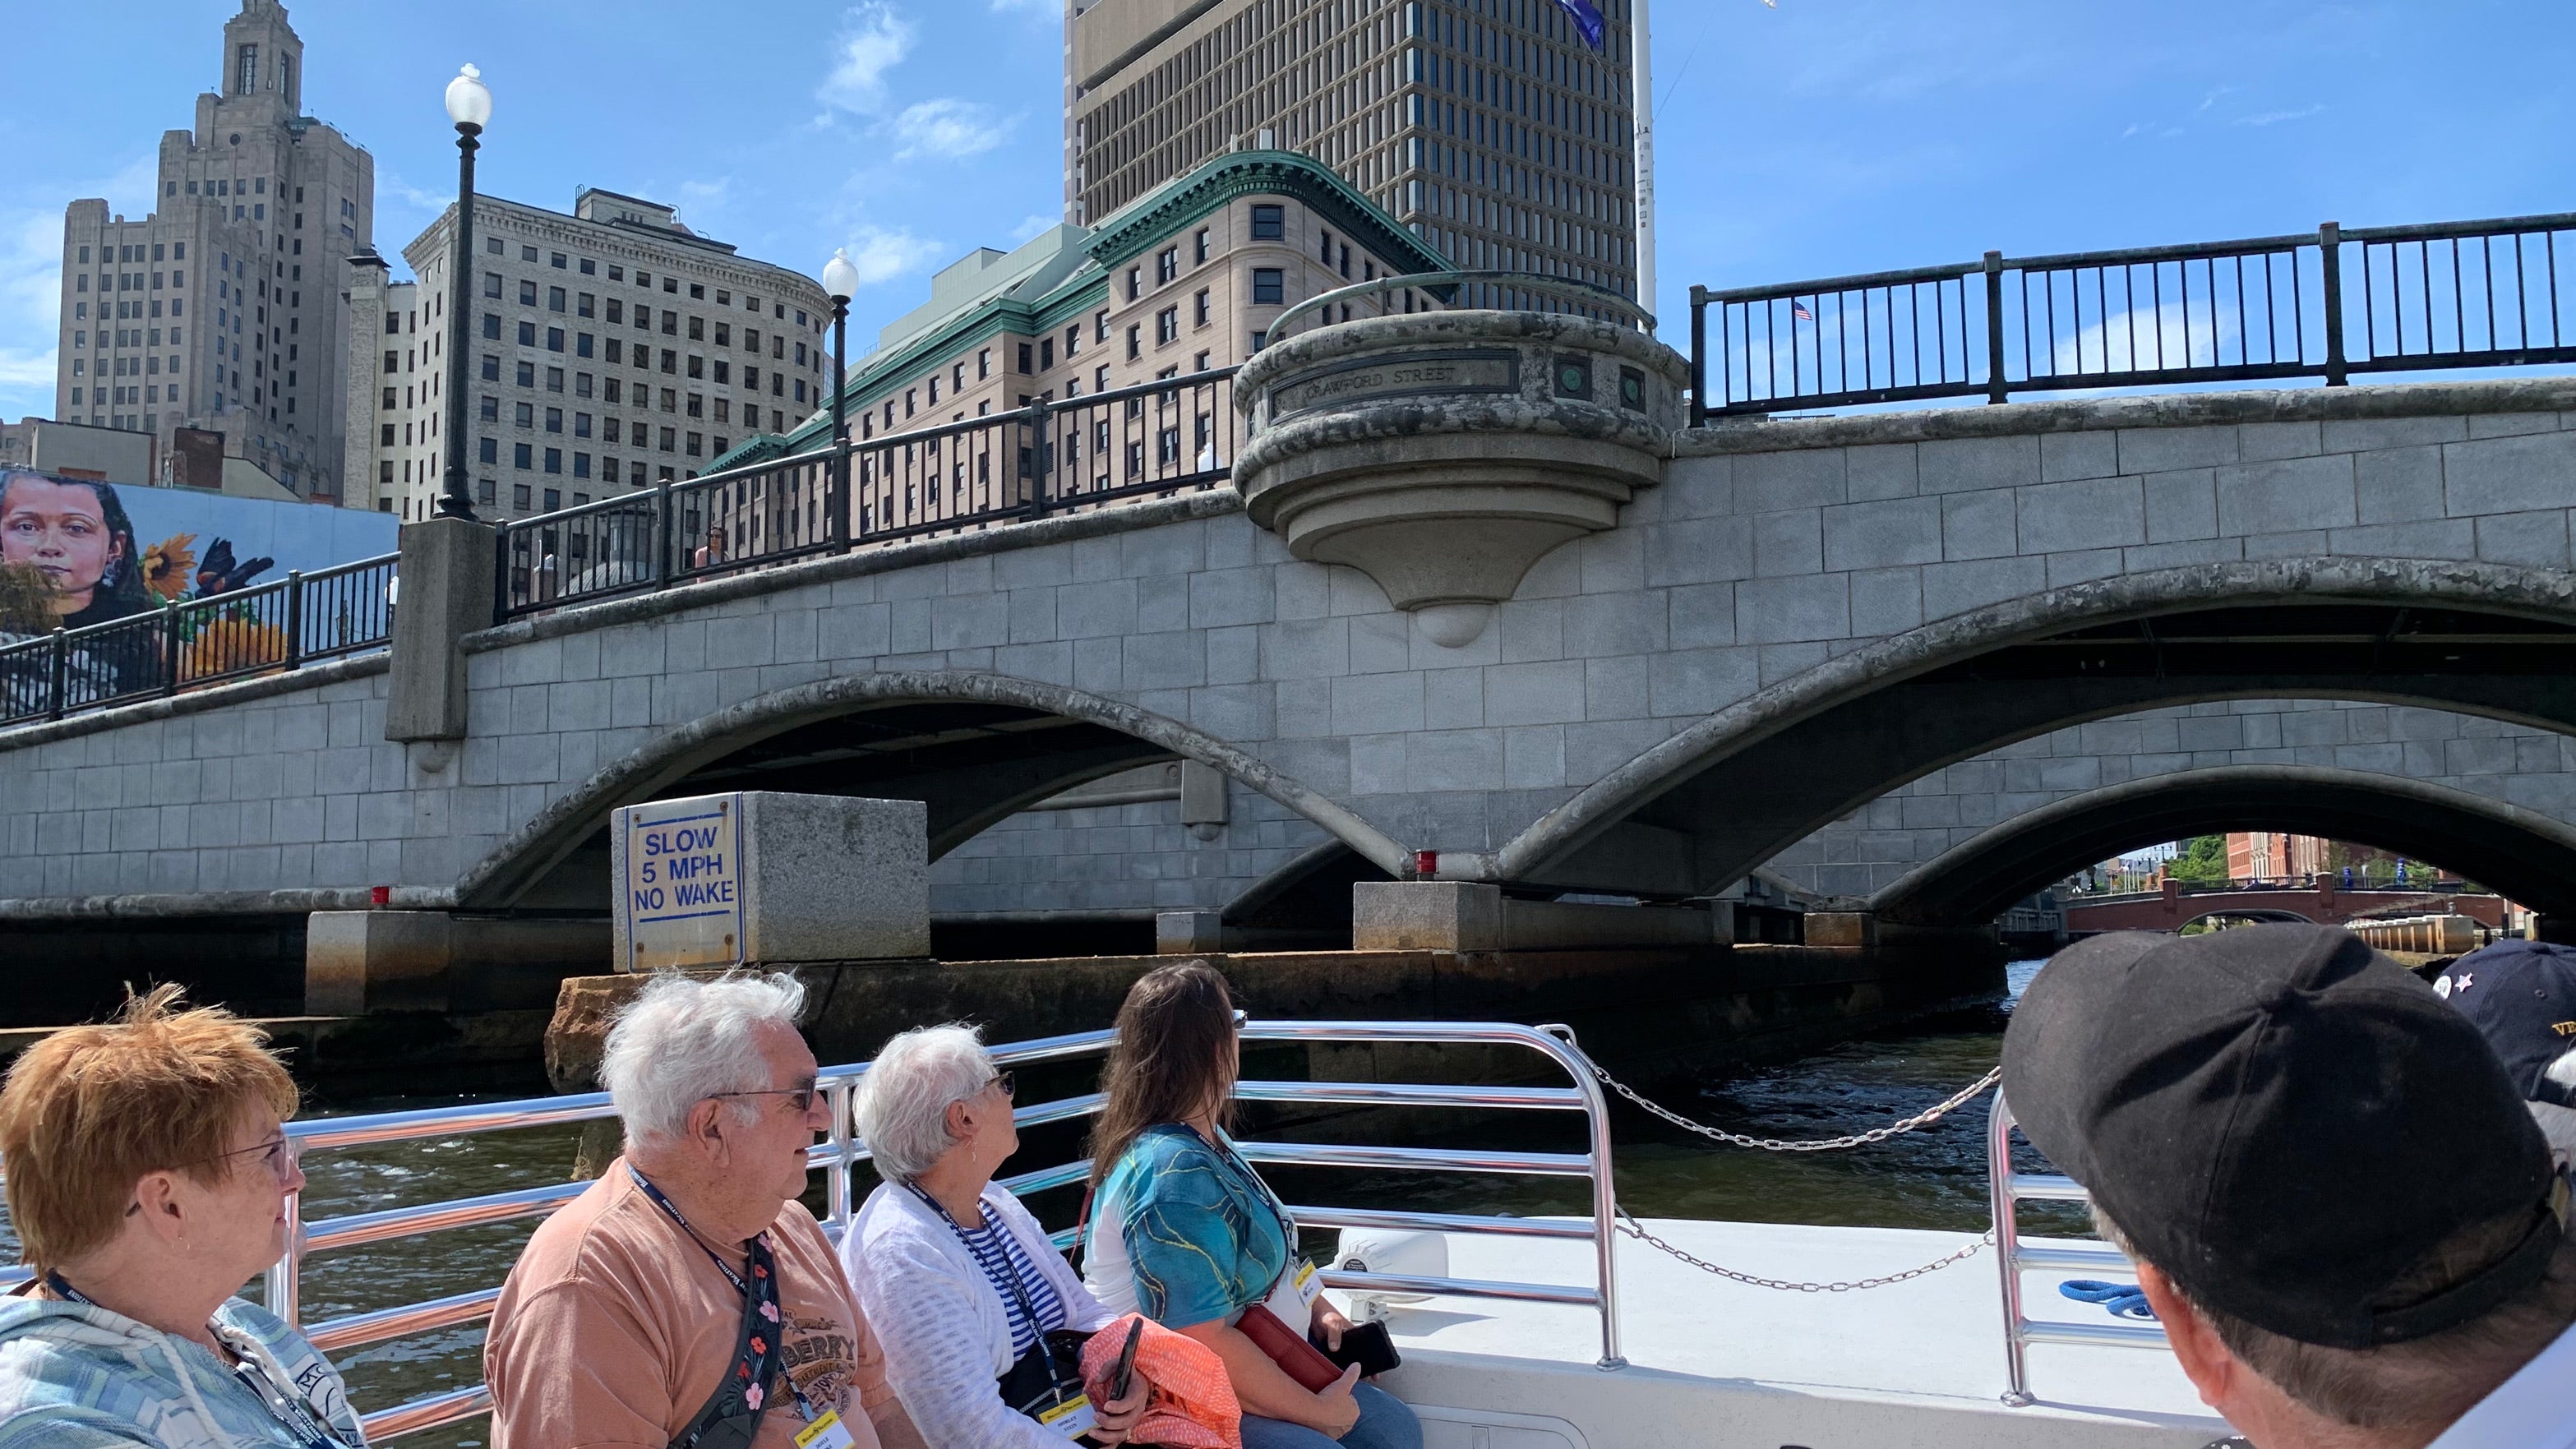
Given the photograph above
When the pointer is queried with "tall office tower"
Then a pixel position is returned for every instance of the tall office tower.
(226, 309)
(611, 348)
(1490, 128)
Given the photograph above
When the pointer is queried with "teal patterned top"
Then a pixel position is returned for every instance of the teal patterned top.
(1204, 1235)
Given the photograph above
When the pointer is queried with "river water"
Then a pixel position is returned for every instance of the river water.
(1931, 1178)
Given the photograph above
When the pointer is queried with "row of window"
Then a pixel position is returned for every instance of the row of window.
(528, 458)
(495, 246)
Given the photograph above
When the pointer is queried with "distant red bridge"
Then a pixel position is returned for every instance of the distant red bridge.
(2177, 905)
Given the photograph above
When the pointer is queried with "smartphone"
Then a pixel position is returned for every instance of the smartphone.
(1365, 1344)
(1119, 1381)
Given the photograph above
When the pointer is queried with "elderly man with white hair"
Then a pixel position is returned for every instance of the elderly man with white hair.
(687, 1298)
(980, 1286)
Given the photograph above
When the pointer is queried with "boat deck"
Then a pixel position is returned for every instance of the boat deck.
(1716, 1363)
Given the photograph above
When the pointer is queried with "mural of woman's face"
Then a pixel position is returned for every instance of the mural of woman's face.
(61, 531)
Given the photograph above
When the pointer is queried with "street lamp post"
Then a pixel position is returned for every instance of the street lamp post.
(840, 279)
(469, 105)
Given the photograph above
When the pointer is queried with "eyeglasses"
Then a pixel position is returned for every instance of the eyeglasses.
(279, 1155)
(1006, 1082)
(799, 1099)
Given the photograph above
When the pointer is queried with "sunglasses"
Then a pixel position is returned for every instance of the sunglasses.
(799, 1099)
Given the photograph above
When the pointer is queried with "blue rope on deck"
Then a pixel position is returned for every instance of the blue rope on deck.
(2120, 1300)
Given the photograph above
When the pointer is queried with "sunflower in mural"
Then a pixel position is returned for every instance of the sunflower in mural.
(168, 564)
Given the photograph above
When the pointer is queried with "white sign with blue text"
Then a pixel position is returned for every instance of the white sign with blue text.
(683, 884)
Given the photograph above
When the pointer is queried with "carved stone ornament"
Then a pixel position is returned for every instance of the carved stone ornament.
(1444, 453)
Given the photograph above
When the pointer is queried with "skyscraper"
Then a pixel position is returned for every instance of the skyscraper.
(227, 307)
(1490, 128)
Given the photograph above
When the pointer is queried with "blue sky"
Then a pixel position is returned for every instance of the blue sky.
(1823, 137)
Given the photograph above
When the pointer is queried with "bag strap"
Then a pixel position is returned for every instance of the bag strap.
(1081, 1231)
(723, 1422)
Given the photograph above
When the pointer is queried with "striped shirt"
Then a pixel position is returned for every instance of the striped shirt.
(1023, 1288)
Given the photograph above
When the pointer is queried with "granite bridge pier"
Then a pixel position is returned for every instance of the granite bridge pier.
(1555, 660)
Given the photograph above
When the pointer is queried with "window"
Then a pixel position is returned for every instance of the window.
(581, 384)
(589, 268)
(554, 299)
(697, 329)
(983, 364)
(491, 368)
(724, 334)
(1199, 308)
(492, 326)
(1269, 286)
(1135, 343)
(1072, 342)
(1167, 325)
(527, 294)
(527, 375)
(523, 455)
(554, 339)
(526, 415)
(697, 365)
(519, 497)
(581, 345)
(554, 499)
(527, 334)
(554, 379)
(1046, 354)
(581, 469)
(697, 405)
(1100, 326)
(528, 254)
(490, 411)
(492, 285)
(1199, 247)
(557, 261)
(616, 310)
(1135, 283)
(554, 420)
(1325, 250)
(1028, 358)
(1167, 265)
(1269, 222)
(554, 464)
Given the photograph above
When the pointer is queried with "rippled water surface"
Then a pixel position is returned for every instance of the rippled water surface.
(1933, 1178)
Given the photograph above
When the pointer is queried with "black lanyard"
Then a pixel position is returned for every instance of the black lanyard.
(1010, 1272)
(762, 1355)
(289, 1410)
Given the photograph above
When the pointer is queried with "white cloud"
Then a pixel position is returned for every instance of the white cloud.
(2266, 118)
(882, 255)
(950, 128)
(31, 290)
(1028, 7)
(872, 41)
(1033, 226)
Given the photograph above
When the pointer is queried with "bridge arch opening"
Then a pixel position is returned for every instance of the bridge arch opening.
(2526, 856)
(975, 748)
(1700, 810)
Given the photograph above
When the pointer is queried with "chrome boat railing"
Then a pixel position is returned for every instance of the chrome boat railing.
(841, 1151)
(2010, 1189)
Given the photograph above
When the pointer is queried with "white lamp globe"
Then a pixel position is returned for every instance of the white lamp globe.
(469, 103)
(840, 279)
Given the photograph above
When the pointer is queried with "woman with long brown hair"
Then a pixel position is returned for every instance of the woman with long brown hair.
(1183, 1230)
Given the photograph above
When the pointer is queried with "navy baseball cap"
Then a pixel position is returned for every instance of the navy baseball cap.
(2521, 995)
(2284, 1121)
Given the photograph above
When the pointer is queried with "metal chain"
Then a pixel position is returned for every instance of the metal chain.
(1637, 1230)
(1784, 1144)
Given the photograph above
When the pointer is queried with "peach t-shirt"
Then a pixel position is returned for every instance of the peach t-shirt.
(614, 1329)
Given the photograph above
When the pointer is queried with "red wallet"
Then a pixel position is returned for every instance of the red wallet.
(1288, 1348)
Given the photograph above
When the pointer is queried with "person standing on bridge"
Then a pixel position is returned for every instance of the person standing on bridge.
(2350, 1228)
(149, 1170)
(687, 1297)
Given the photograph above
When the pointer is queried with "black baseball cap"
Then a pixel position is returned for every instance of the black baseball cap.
(2284, 1122)
(2522, 997)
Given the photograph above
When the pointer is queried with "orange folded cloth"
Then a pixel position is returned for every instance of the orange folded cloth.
(1193, 1406)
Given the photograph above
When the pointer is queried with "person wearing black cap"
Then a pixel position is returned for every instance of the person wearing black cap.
(2521, 995)
(2351, 1229)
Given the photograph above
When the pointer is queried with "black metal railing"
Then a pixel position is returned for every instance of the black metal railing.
(1049, 456)
(2326, 304)
(256, 630)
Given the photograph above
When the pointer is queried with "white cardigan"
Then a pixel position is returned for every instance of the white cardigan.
(946, 1335)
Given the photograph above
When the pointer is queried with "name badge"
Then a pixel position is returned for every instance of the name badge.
(826, 1432)
(1069, 1418)
(1292, 1298)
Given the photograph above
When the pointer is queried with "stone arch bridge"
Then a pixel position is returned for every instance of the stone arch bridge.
(1931, 660)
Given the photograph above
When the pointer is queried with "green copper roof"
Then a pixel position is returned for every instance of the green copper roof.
(1125, 234)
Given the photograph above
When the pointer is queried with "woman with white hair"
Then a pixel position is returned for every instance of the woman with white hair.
(979, 1285)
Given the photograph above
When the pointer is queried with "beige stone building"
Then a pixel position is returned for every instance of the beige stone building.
(612, 347)
(225, 308)
(1187, 279)
(1491, 129)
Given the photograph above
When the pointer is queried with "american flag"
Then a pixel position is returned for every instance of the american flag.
(1798, 310)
